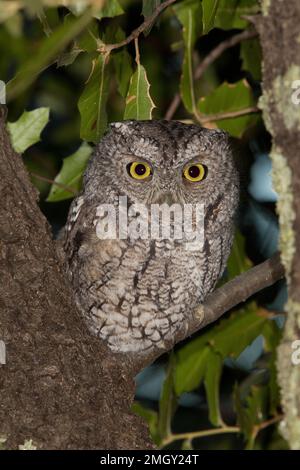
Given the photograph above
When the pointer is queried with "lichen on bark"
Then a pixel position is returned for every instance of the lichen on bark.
(278, 28)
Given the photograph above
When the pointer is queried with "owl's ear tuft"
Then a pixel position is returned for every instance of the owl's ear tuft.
(124, 127)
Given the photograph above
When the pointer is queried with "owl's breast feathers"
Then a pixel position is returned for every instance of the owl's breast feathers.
(137, 294)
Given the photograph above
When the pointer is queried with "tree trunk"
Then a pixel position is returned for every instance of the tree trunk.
(280, 39)
(60, 386)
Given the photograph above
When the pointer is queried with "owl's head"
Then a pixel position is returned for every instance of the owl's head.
(162, 161)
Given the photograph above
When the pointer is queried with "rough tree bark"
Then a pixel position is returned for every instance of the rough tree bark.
(60, 386)
(280, 38)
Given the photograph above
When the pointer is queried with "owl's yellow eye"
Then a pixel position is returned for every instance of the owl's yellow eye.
(194, 172)
(139, 170)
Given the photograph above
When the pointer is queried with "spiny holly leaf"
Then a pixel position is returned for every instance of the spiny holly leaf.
(70, 176)
(27, 129)
(189, 14)
(230, 12)
(230, 97)
(251, 56)
(92, 102)
(148, 8)
(139, 104)
(212, 384)
(151, 417)
(167, 402)
(210, 8)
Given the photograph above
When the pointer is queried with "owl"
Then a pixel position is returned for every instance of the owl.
(138, 288)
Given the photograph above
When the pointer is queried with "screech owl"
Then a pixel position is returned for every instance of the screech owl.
(136, 293)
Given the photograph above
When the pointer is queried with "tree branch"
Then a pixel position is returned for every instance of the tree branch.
(107, 48)
(224, 298)
(189, 436)
(204, 118)
(238, 290)
(60, 383)
(208, 60)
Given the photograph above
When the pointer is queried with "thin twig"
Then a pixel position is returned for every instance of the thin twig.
(223, 430)
(269, 422)
(208, 60)
(193, 435)
(220, 48)
(48, 180)
(137, 51)
(204, 118)
(140, 29)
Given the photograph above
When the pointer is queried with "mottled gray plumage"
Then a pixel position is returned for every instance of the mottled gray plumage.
(137, 294)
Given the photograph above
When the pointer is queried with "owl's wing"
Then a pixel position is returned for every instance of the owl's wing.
(78, 226)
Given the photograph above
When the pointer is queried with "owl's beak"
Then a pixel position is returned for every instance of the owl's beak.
(164, 197)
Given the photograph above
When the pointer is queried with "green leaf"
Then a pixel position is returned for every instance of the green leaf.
(251, 411)
(110, 9)
(123, 65)
(148, 8)
(212, 384)
(189, 14)
(210, 8)
(230, 97)
(191, 367)
(50, 47)
(67, 58)
(139, 104)
(238, 262)
(167, 402)
(92, 102)
(122, 62)
(27, 129)
(70, 176)
(228, 339)
(89, 40)
(251, 56)
(235, 333)
(230, 12)
(151, 417)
